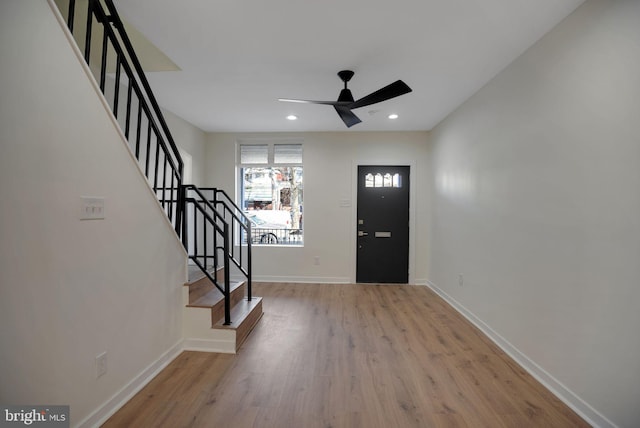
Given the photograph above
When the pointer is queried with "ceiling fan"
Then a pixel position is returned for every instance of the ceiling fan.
(345, 102)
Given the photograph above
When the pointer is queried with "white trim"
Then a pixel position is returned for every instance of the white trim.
(210, 345)
(120, 398)
(303, 279)
(568, 397)
(317, 279)
(269, 140)
(124, 395)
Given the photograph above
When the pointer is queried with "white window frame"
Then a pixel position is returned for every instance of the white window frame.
(291, 239)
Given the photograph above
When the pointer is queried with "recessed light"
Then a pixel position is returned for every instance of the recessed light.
(393, 116)
(292, 117)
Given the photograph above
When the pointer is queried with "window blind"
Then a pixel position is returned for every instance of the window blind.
(287, 154)
(254, 154)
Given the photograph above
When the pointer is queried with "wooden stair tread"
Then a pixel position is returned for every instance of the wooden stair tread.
(213, 296)
(240, 312)
(203, 294)
(199, 284)
(244, 317)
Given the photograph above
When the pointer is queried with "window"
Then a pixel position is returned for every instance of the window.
(380, 180)
(271, 192)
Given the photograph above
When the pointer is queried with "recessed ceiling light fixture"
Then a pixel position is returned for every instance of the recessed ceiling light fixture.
(292, 117)
(393, 116)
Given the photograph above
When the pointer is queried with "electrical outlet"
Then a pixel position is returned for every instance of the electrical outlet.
(460, 280)
(101, 364)
(316, 260)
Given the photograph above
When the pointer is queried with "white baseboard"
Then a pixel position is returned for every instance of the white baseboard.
(318, 279)
(119, 399)
(111, 406)
(209, 345)
(578, 405)
(303, 279)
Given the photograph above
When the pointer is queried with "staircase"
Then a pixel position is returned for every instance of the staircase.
(218, 293)
(219, 313)
(205, 306)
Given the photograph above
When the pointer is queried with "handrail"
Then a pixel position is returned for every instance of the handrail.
(209, 217)
(166, 173)
(228, 214)
(161, 163)
(145, 83)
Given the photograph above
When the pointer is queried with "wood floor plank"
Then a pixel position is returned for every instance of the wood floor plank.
(359, 355)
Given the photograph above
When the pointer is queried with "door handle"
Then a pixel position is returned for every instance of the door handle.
(361, 233)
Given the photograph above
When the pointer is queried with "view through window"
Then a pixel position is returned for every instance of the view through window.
(271, 192)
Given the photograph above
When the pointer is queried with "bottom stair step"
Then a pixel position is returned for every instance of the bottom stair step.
(244, 317)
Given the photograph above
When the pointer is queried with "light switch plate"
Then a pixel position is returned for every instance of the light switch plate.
(91, 208)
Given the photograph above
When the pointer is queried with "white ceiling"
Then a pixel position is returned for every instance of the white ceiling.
(237, 57)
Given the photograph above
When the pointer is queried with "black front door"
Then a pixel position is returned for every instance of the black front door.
(383, 224)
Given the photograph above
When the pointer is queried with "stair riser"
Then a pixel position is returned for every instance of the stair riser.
(217, 311)
(202, 286)
(248, 324)
(199, 288)
(244, 314)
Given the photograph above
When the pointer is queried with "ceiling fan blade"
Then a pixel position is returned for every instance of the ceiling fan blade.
(331, 103)
(393, 90)
(347, 116)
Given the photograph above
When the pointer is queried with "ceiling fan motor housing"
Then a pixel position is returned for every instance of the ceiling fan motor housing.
(345, 96)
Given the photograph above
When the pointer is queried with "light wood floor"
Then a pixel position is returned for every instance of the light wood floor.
(349, 356)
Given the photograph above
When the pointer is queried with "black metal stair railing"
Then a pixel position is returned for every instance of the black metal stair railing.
(210, 233)
(230, 213)
(209, 238)
(101, 36)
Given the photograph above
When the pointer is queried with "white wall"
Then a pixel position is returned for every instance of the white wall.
(536, 185)
(72, 289)
(190, 139)
(330, 161)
